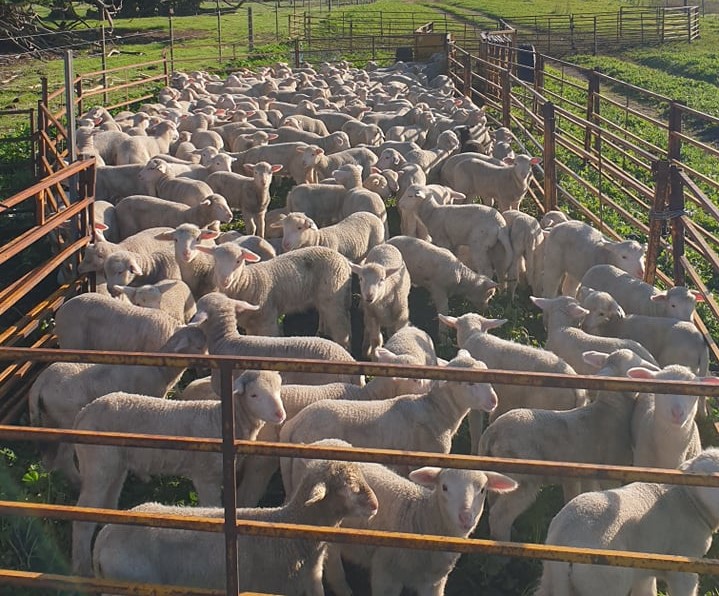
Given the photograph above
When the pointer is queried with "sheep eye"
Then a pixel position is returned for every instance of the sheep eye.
(444, 487)
(253, 395)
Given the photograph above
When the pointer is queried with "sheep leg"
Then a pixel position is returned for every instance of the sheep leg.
(647, 586)
(441, 304)
(207, 485)
(260, 223)
(372, 338)
(481, 263)
(250, 226)
(432, 589)
(256, 475)
(65, 463)
(383, 576)
(336, 322)
(504, 509)
(678, 584)
(551, 279)
(98, 490)
(335, 573)
(476, 427)
(570, 286)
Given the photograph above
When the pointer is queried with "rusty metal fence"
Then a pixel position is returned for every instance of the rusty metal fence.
(230, 448)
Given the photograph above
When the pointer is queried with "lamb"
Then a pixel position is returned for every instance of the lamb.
(122, 268)
(431, 160)
(170, 295)
(571, 248)
(436, 501)
(527, 240)
(657, 518)
(407, 176)
(552, 218)
(318, 165)
(391, 159)
(261, 247)
(362, 133)
(104, 213)
(139, 212)
(358, 198)
(308, 123)
(599, 433)
(196, 268)
(410, 224)
(64, 388)
(289, 155)
(217, 317)
(84, 321)
(670, 341)
(140, 149)
(504, 354)
(245, 141)
(384, 286)
(640, 298)
(481, 228)
(563, 315)
(384, 182)
(112, 183)
(664, 433)
(443, 274)
(425, 422)
(506, 184)
(332, 143)
(250, 194)
(315, 276)
(328, 493)
(161, 183)
(353, 237)
(103, 468)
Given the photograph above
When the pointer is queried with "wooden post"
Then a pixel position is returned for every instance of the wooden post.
(219, 32)
(229, 479)
(170, 14)
(297, 53)
(506, 85)
(676, 206)
(250, 30)
(592, 110)
(549, 164)
(594, 45)
(42, 127)
(674, 143)
(467, 75)
(657, 221)
(78, 93)
(103, 59)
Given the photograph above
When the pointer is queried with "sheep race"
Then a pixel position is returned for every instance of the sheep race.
(383, 219)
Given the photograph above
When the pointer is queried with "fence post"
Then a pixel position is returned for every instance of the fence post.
(277, 20)
(42, 128)
(657, 221)
(70, 109)
(103, 49)
(592, 109)
(250, 30)
(297, 53)
(594, 44)
(549, 161)
(170, 14)
(229, 479)
(467, 75)
(506, 97)
(78, 93)
(674, 143)
(676, 207)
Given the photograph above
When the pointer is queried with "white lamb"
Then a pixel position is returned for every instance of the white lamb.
(644, 517)
(103, 469)
(170, 295)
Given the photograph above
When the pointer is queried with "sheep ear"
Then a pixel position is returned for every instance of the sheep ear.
(535, 160)
(392, 270)
(595, 359)
(276, 168)
(698, 296)
(206, 202)
(356, 269)
(272, 136)
(277, 225)
(241, 306)
(208, 234)
(640, 372)
(250, 257)
(127, 290)
(319, 492)
(208, 250)
(238, 388)
(100, 227)
(310, 224)
(576, 310)
(384, 355)
(250, 167)
(299, 149)
(708, 380)
(199, 318)
(583, 292)
(464, 353)
(448, 321)
(542, 303)
(508, 161)
(442, 361)
(135, 268)
(499, 483)
(492, 323)
(376, 170)
(426, 476)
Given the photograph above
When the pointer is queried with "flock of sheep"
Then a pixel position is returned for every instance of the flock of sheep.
(170, 281)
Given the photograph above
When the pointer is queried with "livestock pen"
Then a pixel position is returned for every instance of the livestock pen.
(544, 115)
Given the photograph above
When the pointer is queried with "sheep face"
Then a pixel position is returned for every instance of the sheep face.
(461, 493)
(628, 256)
(472, 395)
(373, 280)
(94, 258)
(405, 386)
(120, 269)
(260, 391)
(602, 308)
(295, 231)
(229, 262)
(679, 302)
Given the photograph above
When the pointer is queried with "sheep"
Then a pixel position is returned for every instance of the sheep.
(527, 240)
(140, 149)
(84, 323)
(358, 198)
(288, 155)
(163, 184)
(552, 218)
(64, 388)
(250, 194)
(332, 143)
(96, 252)
(599, 433)
(424, 422)
(207, 138)
(506, 184)
(139, 212)
(261, 247)
(353, 237)
(308, 123)
(571, 248)
(640, 298)
(104, 213)
(436, 501)
(112, 183)
(107, 144)
(504, 354)
(562, 316)
(664, 433)
(481, 228)
(384, 182)
(170, 295)
(431, 160)
(410, 224)
(408, 175)
(245, 141)
(196, 268)
(122, 268)
(329, 492)
(314, 276)
(443, 274)
(217, 317)
(104, 468)
(384, 287)
(318, 165)
(362, 133)
(222, 162)
(670, 341)
(390, 158)
(645, 517)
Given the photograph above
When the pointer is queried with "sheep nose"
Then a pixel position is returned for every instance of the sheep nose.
(280, 415)
(677, 414)
(186, 255)
(466, 520)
